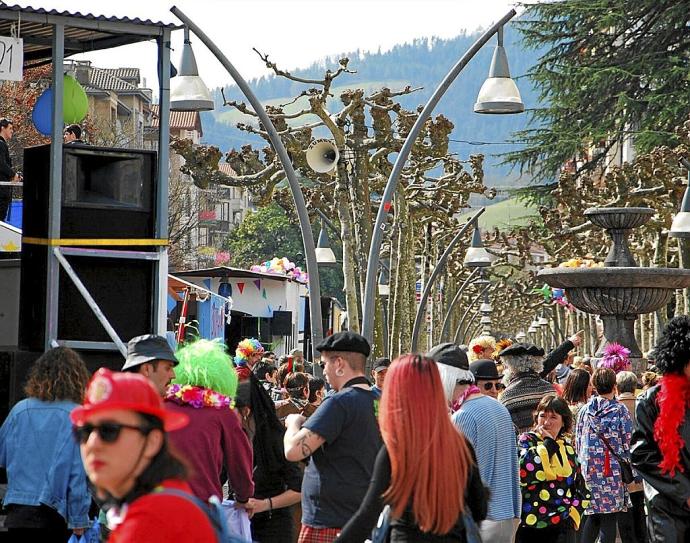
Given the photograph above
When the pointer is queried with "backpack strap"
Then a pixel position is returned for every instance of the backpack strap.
(212, 514)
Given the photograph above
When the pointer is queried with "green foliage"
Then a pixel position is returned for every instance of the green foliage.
(610, 68)
(271, 231)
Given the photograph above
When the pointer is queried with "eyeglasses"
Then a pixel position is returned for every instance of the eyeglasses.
(490, 385)
(108, 431)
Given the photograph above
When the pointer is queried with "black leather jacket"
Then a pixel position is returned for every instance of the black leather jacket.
(665, 493)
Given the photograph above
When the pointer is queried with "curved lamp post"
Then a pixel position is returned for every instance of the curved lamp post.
(451, 306)
(440, 266)
(385, 205)
(467, 312)
(300, 205)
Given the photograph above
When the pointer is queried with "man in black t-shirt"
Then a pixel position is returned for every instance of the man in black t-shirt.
(342, 438)
(6, 171)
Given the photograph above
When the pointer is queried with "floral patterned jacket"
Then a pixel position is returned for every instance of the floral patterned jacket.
(600, 468)
(553, 489)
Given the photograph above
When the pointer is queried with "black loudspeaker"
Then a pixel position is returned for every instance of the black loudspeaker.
(106, 193)
(281, 324)
(256, 327)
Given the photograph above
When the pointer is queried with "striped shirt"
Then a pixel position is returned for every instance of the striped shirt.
(488, 427)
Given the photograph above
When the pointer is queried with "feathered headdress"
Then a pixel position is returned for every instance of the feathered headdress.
(245, 349)
(616, 357)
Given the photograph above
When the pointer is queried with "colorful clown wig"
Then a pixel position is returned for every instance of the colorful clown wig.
(478, 345)
(206, 364)
(245, 349)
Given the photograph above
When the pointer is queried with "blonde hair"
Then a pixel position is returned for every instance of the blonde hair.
(485, 342)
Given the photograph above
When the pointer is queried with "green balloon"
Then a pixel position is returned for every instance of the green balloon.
(75, 104)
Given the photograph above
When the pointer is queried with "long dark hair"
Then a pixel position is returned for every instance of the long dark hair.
(164, 465)
(554, 404)
(576, 385)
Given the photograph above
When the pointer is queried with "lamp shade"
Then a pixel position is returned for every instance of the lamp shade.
(477, 256)
(499, 93)
(535, 324)
(485, 307)
(543, 321)
(520, 336)
(384, 289)
(187, 90)
(680, 227)
(485, 320)
(531, 330)
(324, 253)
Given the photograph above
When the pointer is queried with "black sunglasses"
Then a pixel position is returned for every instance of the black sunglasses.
(108, 431)
(490, 385)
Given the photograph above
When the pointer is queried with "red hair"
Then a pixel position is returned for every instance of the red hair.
(430, 459)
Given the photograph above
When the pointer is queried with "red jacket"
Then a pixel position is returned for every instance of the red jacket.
(214, 438)
(158, 518)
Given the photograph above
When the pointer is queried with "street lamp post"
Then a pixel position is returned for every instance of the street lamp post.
(293, 182)
(461, 327)
(451, 306)
(440, 266)
(489, 104)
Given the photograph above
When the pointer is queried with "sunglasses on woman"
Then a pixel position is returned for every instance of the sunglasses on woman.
(108, 432)
(489, 385)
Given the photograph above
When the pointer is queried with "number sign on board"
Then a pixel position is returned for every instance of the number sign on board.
(11, 58)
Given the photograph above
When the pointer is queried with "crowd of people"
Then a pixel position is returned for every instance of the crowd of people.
(495, 442)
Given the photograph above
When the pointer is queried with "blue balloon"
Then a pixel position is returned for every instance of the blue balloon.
(42, 115)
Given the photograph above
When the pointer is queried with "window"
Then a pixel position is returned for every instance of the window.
(203, 235)
(225, 211)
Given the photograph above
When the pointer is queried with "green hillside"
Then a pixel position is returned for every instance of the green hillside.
(504, 215)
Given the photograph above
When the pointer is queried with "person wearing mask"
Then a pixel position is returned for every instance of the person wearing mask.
(413, 470)
(626, 383)
(554, 494)
(488, 427)
(47, 497)
(6, 172)
(661, 441)
(454, 370)
(487, 378)
(204, 390)
(342, 437)
(152, 357)
(122, 429)
(603, 438)
(524, 363)
(378, 373)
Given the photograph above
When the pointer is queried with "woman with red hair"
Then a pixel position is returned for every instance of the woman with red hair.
(425, 470)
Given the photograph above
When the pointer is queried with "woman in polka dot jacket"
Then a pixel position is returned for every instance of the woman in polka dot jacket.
(554, 494)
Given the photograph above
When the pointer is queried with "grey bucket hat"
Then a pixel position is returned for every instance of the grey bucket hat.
(147, 348)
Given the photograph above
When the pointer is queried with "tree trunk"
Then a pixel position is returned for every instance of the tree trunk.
(349, 277)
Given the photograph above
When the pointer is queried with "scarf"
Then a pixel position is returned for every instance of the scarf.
(673, 400)
(472, 389)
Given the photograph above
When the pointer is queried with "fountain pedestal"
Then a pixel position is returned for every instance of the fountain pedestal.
(620, 291)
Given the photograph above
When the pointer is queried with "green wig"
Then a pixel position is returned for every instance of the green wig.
(205, 364)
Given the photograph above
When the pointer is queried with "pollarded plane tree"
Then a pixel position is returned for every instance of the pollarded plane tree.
(366, 128)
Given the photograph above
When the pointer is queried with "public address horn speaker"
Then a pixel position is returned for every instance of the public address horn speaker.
(322, 156)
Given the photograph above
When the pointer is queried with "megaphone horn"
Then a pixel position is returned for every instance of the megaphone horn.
(322, 156)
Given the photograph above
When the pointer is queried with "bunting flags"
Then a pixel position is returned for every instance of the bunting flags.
(240, 287)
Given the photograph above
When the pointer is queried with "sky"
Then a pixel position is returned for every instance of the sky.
(294, 33)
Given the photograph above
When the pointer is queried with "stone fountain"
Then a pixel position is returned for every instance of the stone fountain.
(621, 290)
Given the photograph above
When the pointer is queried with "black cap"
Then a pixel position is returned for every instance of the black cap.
(521, 349)
(381, 364)
(147, 348)
(450, 355)
(347, 342)
(484, 369)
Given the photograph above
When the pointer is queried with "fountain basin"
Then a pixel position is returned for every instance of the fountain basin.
(619, 218)
(617, 291)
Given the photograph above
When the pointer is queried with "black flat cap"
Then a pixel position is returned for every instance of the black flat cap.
(521, 349)
(381, 364)
(450, 355)
(147, 348)
(347, 342)
(484, 369)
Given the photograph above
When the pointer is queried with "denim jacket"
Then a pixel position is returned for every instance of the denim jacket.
(43, 461)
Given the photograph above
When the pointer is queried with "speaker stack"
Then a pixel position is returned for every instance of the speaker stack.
(107, 194)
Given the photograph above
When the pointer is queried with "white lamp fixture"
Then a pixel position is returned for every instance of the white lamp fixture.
(485, 320)
(535, 324)
(485, 308)
(543, 321)
(324, 253)
(477, 256)
(499, 93)
(520, 336)
(680, 227)
(187, 90)
(384, 289)
(531, 330)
